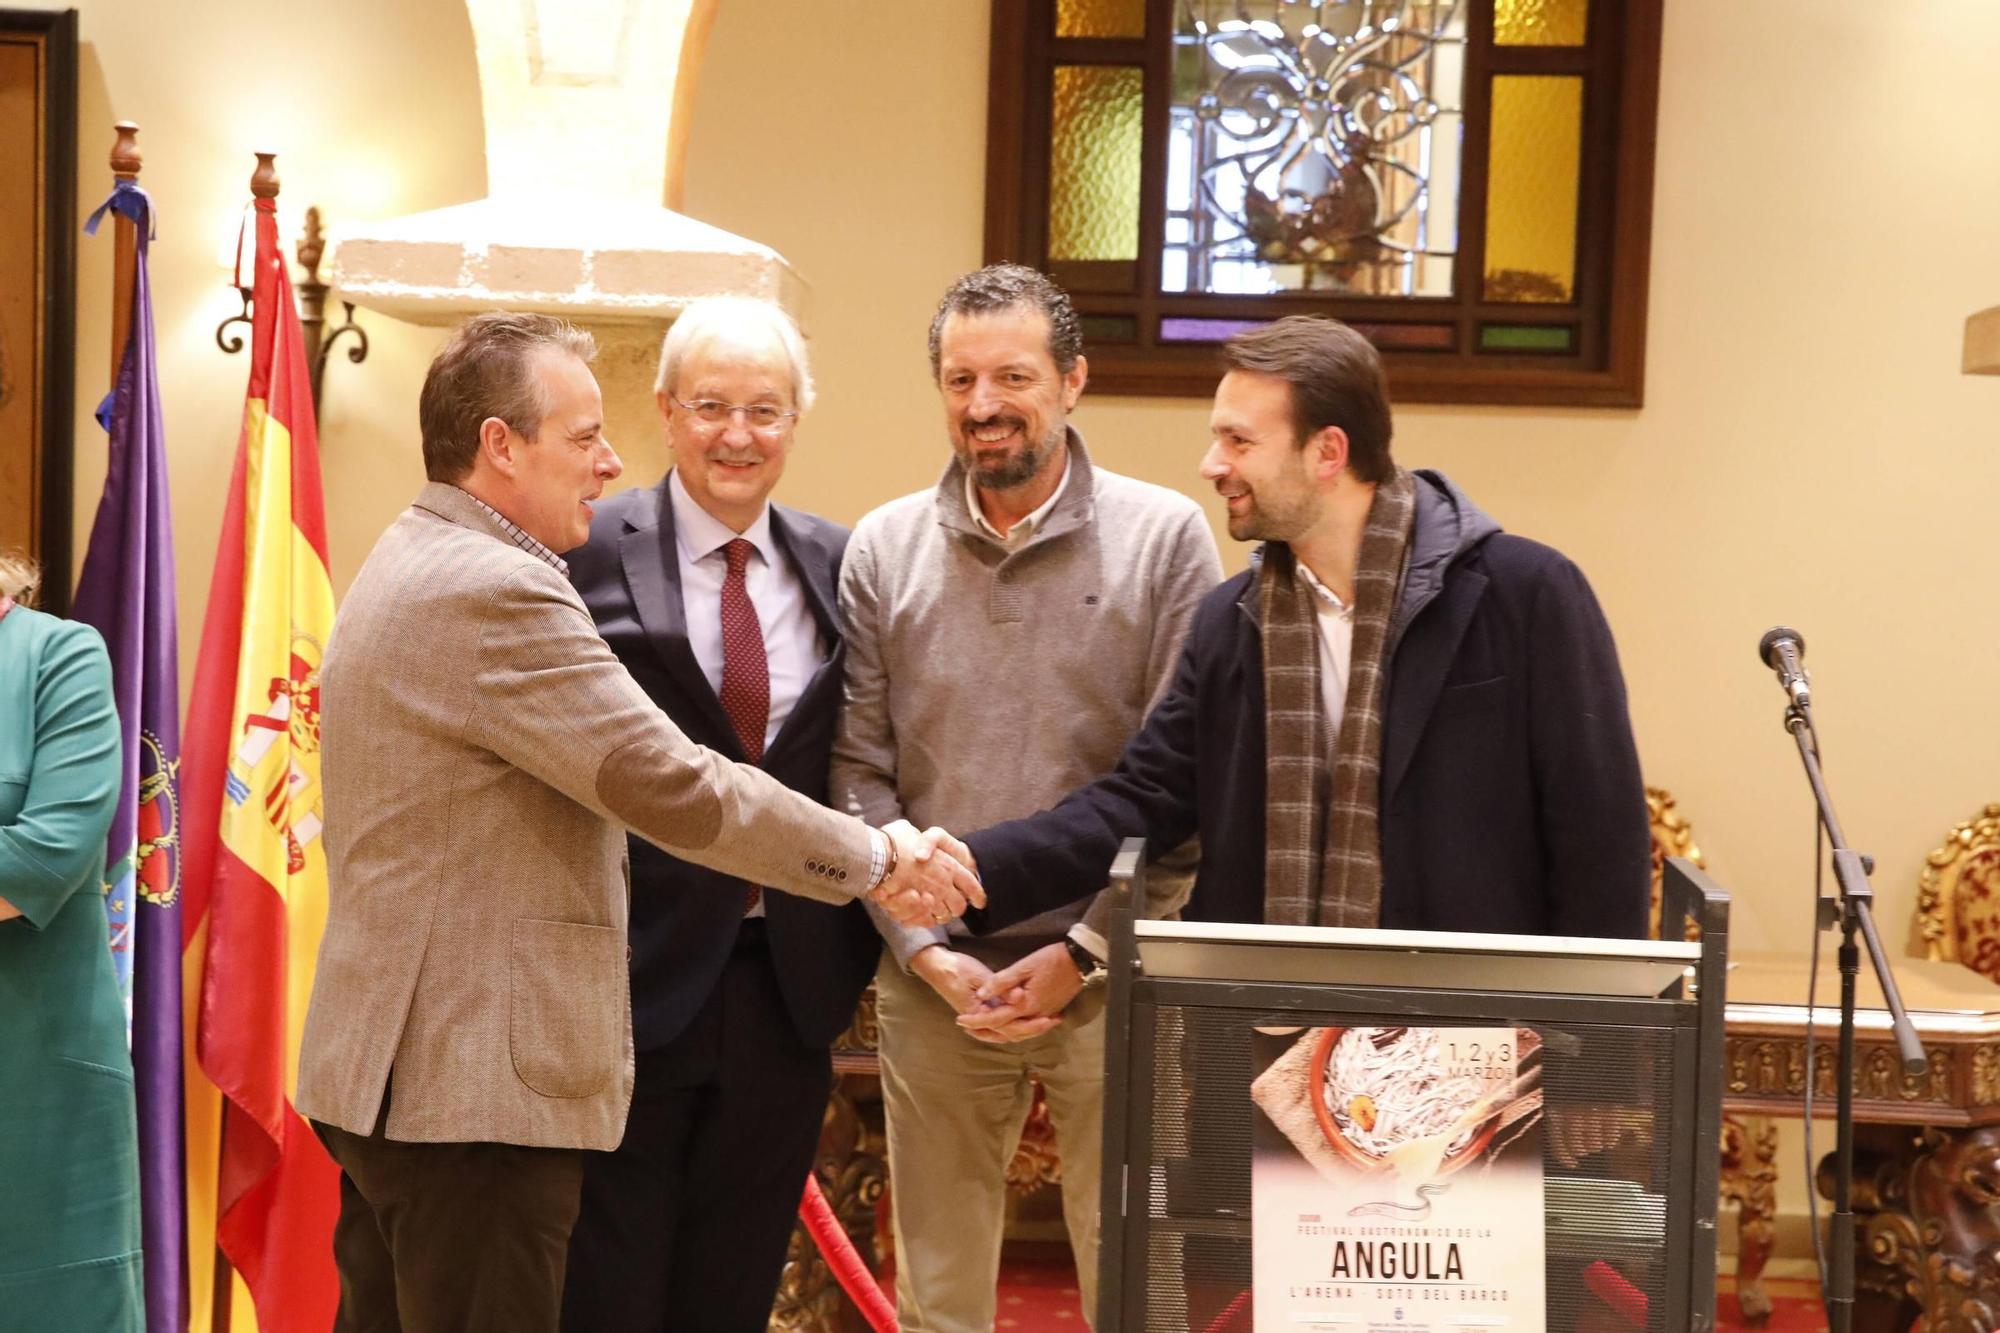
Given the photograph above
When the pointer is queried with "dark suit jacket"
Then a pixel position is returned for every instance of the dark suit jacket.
(1511, 798)
(685, 917)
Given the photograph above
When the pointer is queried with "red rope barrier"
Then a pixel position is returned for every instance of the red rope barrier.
(844, 1259)
(859, 1283)
(1225, 1321)
(1609, 1285)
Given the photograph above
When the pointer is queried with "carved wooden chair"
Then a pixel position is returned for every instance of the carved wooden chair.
(1749, 1143)
(1672, 836)
(1958, 897)
(853, 1172)
(1936, 1197)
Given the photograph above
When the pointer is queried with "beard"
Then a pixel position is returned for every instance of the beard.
(1247, 527)
(1253, 526)
(1016, 469)
(1278, 514)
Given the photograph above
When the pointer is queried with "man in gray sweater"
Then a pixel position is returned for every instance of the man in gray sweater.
(1006, 633)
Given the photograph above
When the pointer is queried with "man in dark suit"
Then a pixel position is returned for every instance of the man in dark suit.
(723, 607)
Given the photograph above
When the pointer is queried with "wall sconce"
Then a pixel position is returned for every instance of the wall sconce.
(305, 282)
(312, 307)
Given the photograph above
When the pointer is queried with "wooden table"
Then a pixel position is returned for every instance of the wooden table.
(1927, 1150)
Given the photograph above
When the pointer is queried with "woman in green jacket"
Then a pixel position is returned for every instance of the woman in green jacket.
(69, 1156)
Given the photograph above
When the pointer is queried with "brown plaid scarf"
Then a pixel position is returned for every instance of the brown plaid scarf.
(1322, 840)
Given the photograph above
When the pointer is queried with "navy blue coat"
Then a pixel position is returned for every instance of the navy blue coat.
(685, 917)
(1511, 799)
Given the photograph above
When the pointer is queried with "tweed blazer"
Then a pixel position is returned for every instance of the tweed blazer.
(484, 753)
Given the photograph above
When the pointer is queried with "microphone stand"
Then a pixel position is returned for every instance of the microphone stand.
(1850, 872)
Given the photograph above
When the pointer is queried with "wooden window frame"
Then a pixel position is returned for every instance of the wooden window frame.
(1614, 224)
(43, 368)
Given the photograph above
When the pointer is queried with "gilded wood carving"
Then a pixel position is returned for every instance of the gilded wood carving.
(1958, 896)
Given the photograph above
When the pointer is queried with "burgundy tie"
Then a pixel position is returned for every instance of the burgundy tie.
(746, 672)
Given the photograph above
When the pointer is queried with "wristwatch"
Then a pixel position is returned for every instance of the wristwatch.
(1088, 965)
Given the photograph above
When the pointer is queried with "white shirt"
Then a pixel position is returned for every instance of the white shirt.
(792, 646)
(1335, 620)
(1015, 537)
(792, 643)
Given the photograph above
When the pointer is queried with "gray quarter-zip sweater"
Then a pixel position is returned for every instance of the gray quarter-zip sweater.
(985, 683)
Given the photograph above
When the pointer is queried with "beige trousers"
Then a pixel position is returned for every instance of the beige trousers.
(956, 1106)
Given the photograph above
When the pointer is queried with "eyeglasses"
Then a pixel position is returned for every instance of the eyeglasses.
(762, 418)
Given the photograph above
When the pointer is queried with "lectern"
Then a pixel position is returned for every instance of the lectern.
(1353, 1130)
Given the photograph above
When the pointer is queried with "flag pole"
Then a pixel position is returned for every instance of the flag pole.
(223, 1294)
(263, 185)
(126, 592)
(126, 160)
(256, 873)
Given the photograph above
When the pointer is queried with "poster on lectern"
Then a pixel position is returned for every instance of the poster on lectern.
(1396, 1180)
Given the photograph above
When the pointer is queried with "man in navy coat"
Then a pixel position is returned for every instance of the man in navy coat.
(724, 608)
(1505, 786)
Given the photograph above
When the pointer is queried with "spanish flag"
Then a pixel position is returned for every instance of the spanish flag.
(260, 1185)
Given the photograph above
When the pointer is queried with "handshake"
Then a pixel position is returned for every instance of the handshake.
(931, 878)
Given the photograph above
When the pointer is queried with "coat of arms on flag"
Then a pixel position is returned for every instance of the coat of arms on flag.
(291, 794)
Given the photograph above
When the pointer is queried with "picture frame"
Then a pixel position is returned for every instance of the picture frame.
(38, 139)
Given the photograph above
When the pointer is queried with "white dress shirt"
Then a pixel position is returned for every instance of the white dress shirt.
(1335, 620)
(792, 644)
(793, 648)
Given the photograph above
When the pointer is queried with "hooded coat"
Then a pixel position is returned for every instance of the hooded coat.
(1511, 798)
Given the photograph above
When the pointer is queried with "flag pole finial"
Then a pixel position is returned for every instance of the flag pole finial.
(126, 159)
(264, 180)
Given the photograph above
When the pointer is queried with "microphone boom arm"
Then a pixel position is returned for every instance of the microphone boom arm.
(1850, 873)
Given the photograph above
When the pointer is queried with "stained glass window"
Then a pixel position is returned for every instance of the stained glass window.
(1540, 22)
(1094, 162)
(1313, 147)
(1467, 182)
(1531, 191)
(1100, 18)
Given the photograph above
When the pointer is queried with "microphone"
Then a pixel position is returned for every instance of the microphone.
(1783, 649)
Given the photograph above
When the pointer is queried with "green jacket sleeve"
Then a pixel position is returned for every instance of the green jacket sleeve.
(48, 851)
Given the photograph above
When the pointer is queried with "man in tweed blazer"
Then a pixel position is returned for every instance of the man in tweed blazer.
(470, 1027)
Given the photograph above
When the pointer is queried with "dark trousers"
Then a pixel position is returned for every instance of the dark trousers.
(450, 1237)
(684, 1226)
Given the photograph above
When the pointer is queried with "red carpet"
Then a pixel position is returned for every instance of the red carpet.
(1037, 1289)
(1795, 1306)
(1038, 1293)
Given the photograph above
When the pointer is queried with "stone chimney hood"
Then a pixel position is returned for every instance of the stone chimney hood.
(587, 104)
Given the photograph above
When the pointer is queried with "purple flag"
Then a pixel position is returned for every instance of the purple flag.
(127, 592)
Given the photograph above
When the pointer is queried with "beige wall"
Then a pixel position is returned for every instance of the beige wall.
(373, 108)
(1809, 452)
(1827, 196)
